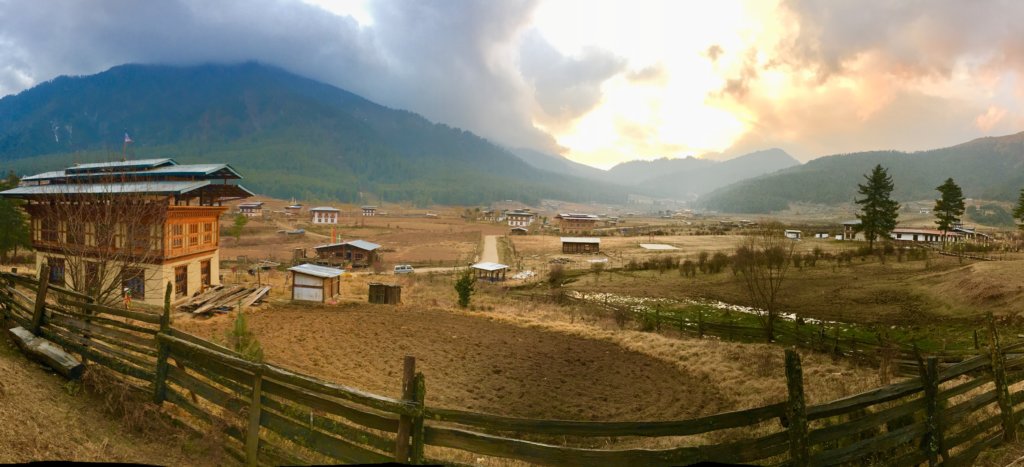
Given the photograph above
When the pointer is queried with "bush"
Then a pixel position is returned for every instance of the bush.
(718, 263)
(556, 275)
(465, 286)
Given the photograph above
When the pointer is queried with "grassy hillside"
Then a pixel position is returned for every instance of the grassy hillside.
(288, 135)
(987, 168)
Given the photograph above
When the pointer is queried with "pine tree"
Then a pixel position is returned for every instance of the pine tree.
(949, 207)
(465, 286)
(878, 211)
(14, 228)
(1018, 212)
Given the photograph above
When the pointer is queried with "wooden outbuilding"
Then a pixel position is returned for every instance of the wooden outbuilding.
(386, 294)
(518, 231)
(314, 283)
(490, 271)
(581, 245)
(359, 253)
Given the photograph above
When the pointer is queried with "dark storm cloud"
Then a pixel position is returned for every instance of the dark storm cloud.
(445, 60)
(566, 87)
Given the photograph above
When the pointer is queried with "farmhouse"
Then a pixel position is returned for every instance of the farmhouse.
(369, 211)
(520, 218)
(581, 245)
(325, 215)
(359, 253)
(293, 209)
(252, 209)
(314, 283)
(850, 230)
(132, 224)
(576, 223)
(923, 235)
(793, 234)
(490, 271)
(488, 215)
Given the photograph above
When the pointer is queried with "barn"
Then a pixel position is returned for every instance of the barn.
(581, 245)
(314, 283)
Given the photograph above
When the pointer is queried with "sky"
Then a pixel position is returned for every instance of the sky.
(599, 82)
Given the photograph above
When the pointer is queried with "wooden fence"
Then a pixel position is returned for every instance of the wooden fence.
(267, 414)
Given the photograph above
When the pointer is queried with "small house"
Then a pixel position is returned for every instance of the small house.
(292, 210)
(490, 271)
(793, 234)
(576, 223)
(314, 283)
(386, 294)
(850, 230)
(369, 211)
(488, 215)
(325, 215)
(822, 235)
(359, 253)
(251, 209)
(520, 218)
(581, 245)
(518, 231)
(923, 235)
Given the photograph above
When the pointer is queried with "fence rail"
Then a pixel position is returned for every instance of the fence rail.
(270, 415)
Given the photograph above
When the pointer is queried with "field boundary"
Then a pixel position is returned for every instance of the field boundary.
(267, 414)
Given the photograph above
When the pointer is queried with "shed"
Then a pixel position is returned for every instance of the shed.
(518, 231)
(490, 271)
(359, 252)
(793, 234)
(581, 245)
(315, 283)
(388, 294)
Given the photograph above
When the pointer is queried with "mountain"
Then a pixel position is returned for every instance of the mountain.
(986, 168)
(638, 172)
(559, 164)
(288, 135)
(704, 179)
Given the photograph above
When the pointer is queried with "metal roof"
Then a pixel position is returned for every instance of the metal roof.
(107, 188)
(572, 215)
(251, 204)
(325, 208)
(170, 170)
(923, 231)
(361, 244)
(489, 266)
(143, 163)
(318, 271)
(581, 240)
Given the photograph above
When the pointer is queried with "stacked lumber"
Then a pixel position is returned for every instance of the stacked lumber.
(222, 299)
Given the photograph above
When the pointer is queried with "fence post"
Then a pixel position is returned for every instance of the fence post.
(252, 436)
(420, 386)
(37, 314)
(796, 411)
(163, 351)
(405, 421)
(999, 376)
(933, 423)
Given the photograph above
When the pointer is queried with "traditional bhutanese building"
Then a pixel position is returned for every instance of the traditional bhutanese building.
(325, 215)
(574, 223)
(251, 209)
(172, 237)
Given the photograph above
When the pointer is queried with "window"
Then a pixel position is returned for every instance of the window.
(92, 278)
(106, 235)
(57, 271)
(207, 233)
(181, 281)
(177, 236)
(134, 280)
(193, 234)
(49, 229)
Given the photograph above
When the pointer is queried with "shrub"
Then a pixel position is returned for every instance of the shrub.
(556, 275)
(242, 340)
(464, 286)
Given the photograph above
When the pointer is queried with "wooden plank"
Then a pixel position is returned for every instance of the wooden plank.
(975, 429)
(232, 403)
(143, 345)
(967, 456)
(346, 432)
(864, 400)
(178, 399)
(252, 436)
(382, 403)
(964, 367)
(271, 454)
(44, 351)
(40, 302)
(864, 448)
(796, 411)
(121, 354)
(202, 342)
(215, 363)
(103, 359)
(255, 296)
(580, 428)
(965, 387)
(746, 451)
(854, 428)
(955, 413)
(103, 321)
(999, 376)
(138, 316)
(320, 442)
(402, 441)
(387, 423)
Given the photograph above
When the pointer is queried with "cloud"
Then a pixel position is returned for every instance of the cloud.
(452, 62)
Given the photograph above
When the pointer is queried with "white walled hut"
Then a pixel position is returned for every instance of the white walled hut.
(314, 283)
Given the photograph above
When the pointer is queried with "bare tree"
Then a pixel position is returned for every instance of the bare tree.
(102, 239)
(762, 262)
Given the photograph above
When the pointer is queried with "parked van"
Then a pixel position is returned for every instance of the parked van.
(403, 269)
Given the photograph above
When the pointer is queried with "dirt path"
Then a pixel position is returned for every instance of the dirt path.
(43, 418)
(490, 251)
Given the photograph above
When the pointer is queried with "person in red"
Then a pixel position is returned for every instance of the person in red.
(127, 298)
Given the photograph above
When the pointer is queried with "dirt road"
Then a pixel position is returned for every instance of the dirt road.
(490, 252)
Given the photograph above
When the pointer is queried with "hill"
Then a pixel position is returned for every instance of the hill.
(696, 181)
(986, 168)
(560, 165)
(288, 135)
(638, 172)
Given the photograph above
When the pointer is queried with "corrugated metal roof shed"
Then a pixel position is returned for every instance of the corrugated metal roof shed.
(489, 266)
(141, 163)
(361, 244)
(317, 271)
(107, 188)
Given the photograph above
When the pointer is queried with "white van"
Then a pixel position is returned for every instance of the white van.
(403, 269)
